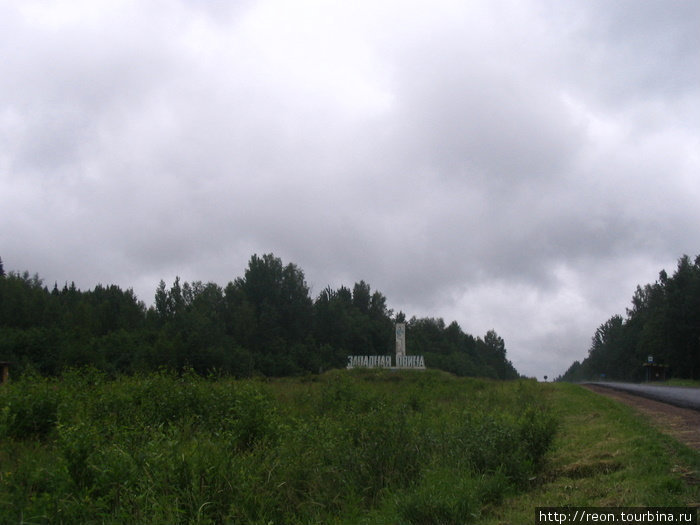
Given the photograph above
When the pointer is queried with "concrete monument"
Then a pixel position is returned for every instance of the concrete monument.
(400, 340)
(385, 361)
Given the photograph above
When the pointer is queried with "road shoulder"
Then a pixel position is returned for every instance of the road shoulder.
(681, 423)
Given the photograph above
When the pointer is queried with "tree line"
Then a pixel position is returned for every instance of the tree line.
(663, 322)
(263, 323)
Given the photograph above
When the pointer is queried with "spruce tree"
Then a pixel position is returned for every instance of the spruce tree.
(2, 270)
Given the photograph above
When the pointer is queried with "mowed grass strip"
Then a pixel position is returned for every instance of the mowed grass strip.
(604, 455)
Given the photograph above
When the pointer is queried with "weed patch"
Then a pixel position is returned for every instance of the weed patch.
(358, 447)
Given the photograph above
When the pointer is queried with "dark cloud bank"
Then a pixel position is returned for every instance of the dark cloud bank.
(520, 166)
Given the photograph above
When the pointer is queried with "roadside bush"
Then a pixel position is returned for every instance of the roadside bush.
(537, 428)
(444, 497)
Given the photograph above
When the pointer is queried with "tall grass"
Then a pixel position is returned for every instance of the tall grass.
(345, 447)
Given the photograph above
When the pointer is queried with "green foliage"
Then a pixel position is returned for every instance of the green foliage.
(444, 497)
(605, 454)
(264, 323)
(30, 409)
(449, 348)
(419, 447)
(664, 322)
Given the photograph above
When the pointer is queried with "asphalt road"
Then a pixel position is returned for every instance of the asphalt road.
(674, 395)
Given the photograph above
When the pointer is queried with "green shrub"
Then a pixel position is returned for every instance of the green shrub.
(444, 497)
(252, 417)
(29, 409)
(77, 444)
(537, 428)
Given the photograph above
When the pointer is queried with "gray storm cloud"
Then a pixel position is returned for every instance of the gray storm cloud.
(519, 166)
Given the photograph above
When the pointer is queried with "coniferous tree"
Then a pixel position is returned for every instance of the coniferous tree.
(663, 322)
(264, 322)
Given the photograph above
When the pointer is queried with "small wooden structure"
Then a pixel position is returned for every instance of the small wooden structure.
(655, 371)
(4, 371)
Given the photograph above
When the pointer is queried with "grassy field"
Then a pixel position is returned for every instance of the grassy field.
(342, 448)
(605, 454)
(694, 383)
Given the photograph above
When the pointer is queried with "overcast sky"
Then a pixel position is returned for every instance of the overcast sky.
(511, 165)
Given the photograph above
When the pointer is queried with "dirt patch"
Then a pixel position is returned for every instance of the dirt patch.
(681, 423)
(589, 469)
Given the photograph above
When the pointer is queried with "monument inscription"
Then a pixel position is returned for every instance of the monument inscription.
(385, 361)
